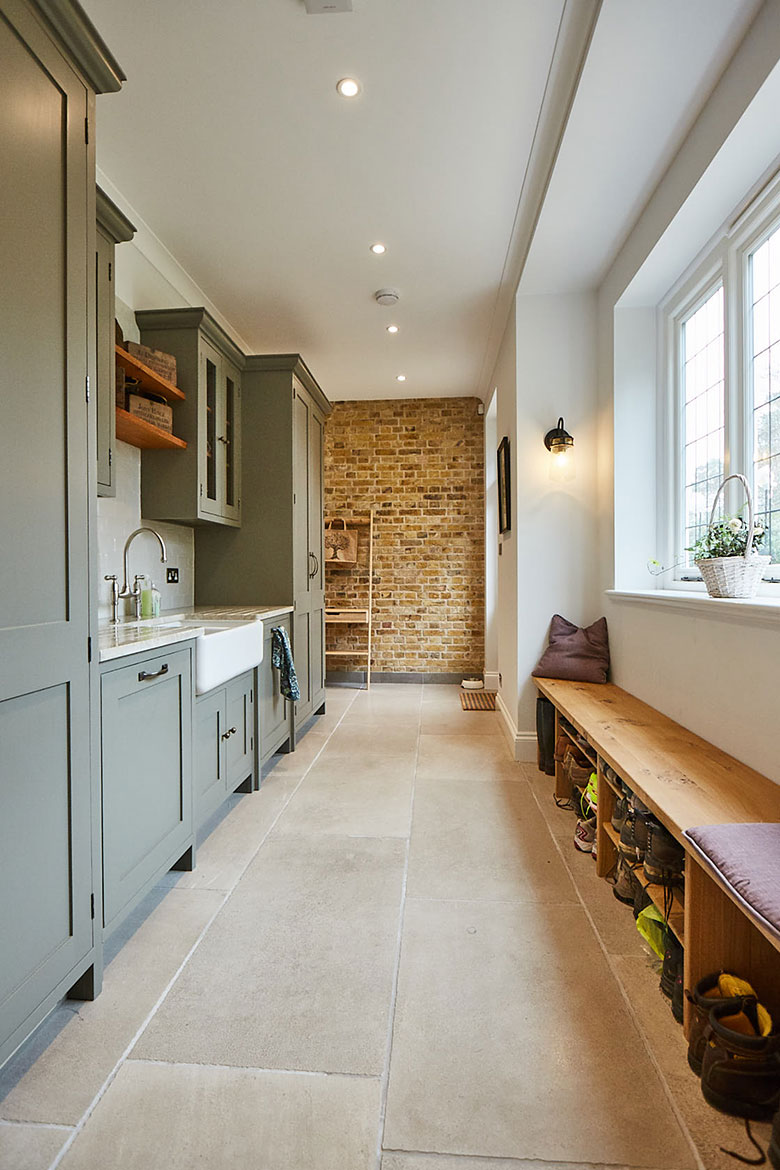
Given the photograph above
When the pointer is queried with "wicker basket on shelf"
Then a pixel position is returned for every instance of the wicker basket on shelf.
(734, 576)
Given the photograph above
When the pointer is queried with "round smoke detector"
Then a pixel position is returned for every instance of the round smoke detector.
(387, 296)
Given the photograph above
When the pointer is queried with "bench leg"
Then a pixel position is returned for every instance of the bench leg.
(718, 937)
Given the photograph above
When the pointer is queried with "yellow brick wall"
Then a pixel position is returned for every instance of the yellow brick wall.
(420, 463)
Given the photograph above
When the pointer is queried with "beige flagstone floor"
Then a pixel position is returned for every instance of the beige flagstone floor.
(389, 958)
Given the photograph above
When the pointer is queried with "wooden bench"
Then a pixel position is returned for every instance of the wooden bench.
(685, 781)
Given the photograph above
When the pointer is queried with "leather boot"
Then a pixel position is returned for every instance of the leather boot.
(740, 1073)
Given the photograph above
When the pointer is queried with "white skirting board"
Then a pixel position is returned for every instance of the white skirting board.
(522, 744)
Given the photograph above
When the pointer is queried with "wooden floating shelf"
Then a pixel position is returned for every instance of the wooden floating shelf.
(148, 380)
(347, 653)
(139, 433)
(350, 523)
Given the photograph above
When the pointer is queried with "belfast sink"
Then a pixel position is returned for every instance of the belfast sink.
(224, 650)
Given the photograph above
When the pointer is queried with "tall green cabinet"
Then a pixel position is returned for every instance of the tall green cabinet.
(52, 62)
(277, 557)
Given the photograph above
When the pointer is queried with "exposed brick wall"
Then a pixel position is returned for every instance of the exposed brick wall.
(420, 463)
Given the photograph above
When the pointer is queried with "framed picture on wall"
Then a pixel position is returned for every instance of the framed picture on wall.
(504, 487)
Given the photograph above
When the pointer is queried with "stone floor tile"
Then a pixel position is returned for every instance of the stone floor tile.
(234, 836)
(510, 1010)
(297, 971)
(30, 1147)
(352, 801)
(394, 1161)
(55, 1076)
(471, 757)
(483, 840)
(229, 1119)
(710, 1129)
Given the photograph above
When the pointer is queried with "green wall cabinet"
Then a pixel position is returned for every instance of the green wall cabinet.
(225, 730)
(274, 714)
(146, 774)
(277, 557)
(50, 71)
(202, 484)
(112, 228)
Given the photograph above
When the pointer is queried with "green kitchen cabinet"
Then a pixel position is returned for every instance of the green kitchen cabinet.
(112, 228)
(52, 62)
(274, 714)
(278, 556)
(202, 484)
(225, 733)
(146, 734)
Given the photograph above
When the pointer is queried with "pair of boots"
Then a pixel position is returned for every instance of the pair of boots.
(733, 1048)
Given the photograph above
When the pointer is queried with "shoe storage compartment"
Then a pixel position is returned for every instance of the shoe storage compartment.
(684, 781)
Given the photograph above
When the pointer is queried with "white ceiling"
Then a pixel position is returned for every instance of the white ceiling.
(230, 141)
(650, 68)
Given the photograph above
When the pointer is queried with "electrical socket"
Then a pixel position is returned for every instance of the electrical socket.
(172, 576)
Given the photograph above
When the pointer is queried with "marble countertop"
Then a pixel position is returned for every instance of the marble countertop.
(133, 637)
(129, 637)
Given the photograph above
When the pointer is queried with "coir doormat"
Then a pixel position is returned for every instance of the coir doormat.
(478, 700)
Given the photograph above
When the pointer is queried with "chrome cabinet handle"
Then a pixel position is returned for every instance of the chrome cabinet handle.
(312, 570)
(145, 676)
(222, 439)
(227, 734)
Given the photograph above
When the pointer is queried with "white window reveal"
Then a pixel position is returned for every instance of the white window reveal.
(764, 268)
(702, 405)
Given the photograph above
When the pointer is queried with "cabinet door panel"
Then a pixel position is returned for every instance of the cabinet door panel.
(211, 426)
(273, 714)
(209, 766)
(105, 366)
(317, 540)
(147, 784)
(229, 441)
(302, 641)
(45, 797)
(240, 747)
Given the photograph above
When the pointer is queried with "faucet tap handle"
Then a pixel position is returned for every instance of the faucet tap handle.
(114, 597)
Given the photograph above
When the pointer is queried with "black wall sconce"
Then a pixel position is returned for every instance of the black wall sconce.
(558, 440)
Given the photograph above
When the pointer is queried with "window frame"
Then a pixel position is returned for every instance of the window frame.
(725, 260)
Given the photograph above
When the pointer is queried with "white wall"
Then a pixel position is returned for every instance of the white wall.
(716, 675)
(505, 382)
(491, 545)
(118, 516)
(556, 522)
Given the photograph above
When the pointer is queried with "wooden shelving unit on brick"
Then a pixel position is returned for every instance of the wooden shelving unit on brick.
(354, 616)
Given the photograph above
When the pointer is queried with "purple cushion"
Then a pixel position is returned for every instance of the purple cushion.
(579, 655)
(747, 858)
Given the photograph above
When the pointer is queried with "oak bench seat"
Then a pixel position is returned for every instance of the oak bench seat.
(687, 783)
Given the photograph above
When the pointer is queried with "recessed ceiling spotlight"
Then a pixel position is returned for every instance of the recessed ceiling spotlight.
(348, 87)
(392, 328)
(400, 377)
(378, 249)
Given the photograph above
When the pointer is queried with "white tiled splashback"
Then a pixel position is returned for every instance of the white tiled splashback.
(120, 516)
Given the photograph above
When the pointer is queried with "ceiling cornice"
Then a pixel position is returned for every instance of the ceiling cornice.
(575, 33)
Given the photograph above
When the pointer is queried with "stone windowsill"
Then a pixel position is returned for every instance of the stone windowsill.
(761, 611)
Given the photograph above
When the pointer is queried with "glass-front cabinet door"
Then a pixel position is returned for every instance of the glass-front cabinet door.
(229, 443)
(210, 382)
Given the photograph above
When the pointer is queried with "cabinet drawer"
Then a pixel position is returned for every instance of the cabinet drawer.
(146, 774)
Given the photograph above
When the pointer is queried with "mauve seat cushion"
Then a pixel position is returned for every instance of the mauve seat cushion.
(747, 857)
(575, 654)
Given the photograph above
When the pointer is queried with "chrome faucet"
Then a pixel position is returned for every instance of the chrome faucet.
(135, 592)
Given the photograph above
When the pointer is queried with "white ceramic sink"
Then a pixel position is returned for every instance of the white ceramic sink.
(225, 650)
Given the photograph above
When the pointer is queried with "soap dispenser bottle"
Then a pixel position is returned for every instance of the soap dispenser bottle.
(150, 601)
